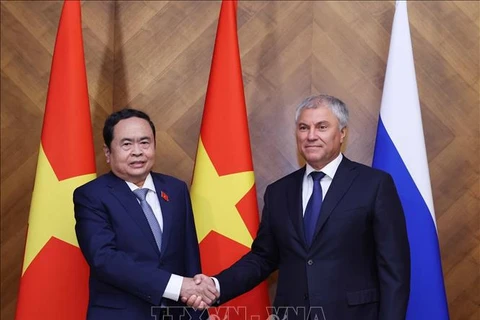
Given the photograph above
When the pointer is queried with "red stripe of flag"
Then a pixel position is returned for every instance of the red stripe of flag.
(67, 129)
(224, 129)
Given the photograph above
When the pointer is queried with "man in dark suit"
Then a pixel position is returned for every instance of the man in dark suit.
(136, 230)
(334, 229)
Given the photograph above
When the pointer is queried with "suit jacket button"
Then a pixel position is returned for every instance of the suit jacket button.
(305, 296)
(310, 262)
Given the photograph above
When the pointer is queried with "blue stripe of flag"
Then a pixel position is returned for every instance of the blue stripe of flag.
(427, 294)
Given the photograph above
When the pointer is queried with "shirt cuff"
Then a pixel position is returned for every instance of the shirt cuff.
(217, 284)
(174, 285)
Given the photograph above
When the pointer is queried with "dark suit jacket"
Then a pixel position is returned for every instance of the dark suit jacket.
(128, 274)
(358, 266)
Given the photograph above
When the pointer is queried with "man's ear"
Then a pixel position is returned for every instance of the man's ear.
(343, 133)
(106, 151)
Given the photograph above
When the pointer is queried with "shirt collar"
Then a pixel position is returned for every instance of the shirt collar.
(330, 169)
(148, 184)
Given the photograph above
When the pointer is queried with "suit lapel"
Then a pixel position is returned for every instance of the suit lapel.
(166, 205)
(294, 203)
(342, 181)
(126, 197)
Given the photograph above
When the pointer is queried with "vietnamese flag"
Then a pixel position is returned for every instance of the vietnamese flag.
(54, 283)
(223, 188)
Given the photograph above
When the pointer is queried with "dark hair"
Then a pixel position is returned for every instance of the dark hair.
(115, 118)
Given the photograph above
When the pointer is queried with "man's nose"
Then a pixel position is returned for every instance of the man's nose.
(137, 150)
(311, 134)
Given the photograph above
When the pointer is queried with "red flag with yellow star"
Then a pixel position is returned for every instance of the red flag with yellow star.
(223, 188)
(54, 283)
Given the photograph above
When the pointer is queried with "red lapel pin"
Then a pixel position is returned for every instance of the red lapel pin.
(164, 195)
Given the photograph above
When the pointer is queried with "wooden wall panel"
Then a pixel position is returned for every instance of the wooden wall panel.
(156, 55)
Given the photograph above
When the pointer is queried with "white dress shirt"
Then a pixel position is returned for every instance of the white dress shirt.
(172, 291)
(307, 185)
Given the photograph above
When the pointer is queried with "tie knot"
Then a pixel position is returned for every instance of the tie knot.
(141, 193)
(317, 175)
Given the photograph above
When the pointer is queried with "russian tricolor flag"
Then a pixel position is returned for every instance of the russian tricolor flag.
(400, 150)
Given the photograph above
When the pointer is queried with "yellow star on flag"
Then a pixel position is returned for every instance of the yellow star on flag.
(51, 213)
(214, 200)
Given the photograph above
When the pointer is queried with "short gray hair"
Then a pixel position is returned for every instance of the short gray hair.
(336, 105)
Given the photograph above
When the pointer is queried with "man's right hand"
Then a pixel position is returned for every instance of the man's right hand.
(198, 292)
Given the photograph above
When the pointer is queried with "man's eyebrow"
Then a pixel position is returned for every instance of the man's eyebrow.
(141, 138)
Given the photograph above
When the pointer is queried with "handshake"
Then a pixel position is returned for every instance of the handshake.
(199, 292)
